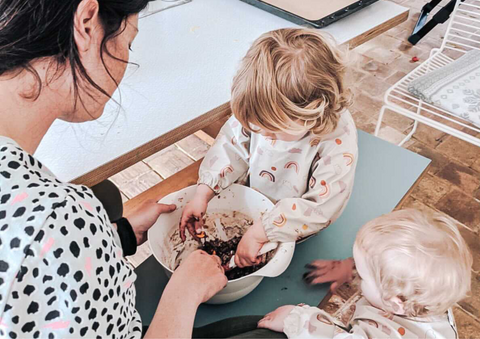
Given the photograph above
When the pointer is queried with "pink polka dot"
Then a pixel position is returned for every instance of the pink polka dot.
(19, 197)
(58, 325)
(88, 265)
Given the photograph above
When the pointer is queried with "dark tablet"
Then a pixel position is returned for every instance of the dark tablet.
(316, 13)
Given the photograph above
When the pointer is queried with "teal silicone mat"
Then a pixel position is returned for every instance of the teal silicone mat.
(385, 173)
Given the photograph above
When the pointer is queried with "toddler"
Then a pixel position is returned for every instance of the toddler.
(412, 268)
(291, 138)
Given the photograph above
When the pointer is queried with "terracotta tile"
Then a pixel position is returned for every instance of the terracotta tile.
(463, 177)
(397, 121)
(468, 327)
(378, 69)
(471, 304)
(405, 64)
(169, 161)
(430, 190)
(365, 104)
(428, 135)
(140, 184)
(395, 77)
(412, 202)
(374, 87)
(383, 55)
(476, 165)
(439, 160)
(461, 207)
(193, 146)
(463, 151)
(390, 134)
(473, 241)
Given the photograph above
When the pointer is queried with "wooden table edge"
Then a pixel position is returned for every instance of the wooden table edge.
(130, 158)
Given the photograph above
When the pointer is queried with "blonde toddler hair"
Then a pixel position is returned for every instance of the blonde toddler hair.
(420, 258)
(291, 80)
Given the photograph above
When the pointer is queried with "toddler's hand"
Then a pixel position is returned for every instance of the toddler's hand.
(337, 272)
(192, 217)
(250, 245)
(274, 320)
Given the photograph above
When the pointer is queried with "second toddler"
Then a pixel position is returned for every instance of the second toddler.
(291, 138)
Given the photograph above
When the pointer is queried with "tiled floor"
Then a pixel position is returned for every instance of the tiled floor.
(452, 185)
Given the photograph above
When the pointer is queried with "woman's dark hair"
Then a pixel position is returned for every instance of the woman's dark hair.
(32, 29)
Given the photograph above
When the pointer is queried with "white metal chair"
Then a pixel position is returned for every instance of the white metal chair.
(462, 35)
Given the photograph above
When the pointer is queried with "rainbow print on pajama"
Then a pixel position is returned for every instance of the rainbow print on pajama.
(280, 221)
(294, 165)
(325, 189)
(314, 142)
(224, 171)
(234, 141)
(349, 158)
(268, 175)
(313, 182)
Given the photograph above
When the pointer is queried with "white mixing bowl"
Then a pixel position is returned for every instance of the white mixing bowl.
(235, 198)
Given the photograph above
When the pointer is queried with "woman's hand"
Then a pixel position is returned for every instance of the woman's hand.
(337, 272)
(192, 215)
(200, 274)
(250, 245)
(145, 217)
(274, 320)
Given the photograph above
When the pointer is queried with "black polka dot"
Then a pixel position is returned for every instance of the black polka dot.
(4, 227)
(95, 325)
(58, 252)
(86, 242)
(92, 314)
(73, 295)
(51, 336)
(115, 306)
(15, 319)
(53, 195)
(99, 270)
(3, 266)
(78, 319)
(111, 271)
(78, 276)
(84, 288)
(28, 327)
(49, 290)
(63, 286)
(31, 218)
(19, 212)
(23, 270)
(96, 294)
(52, 315)
(80, 223)
(46, 278)
(13, 165)
(29, 289)
(39, 236)
(71, 330)
(12, 335)
(93, 229)
(109, 329)
(29, 230)
(51, 301)
(83, 331)
(63, 270)
(1, 281)
(87, 304)
(39, 208)
(64, 230)
(36, 334)
(32, 308)
(104, 311)
(5, 174)
(5, 198)
(15, 243)
(26, 177)
(74, 249)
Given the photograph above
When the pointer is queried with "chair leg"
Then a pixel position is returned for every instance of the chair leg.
(414, 128)
(380, 119)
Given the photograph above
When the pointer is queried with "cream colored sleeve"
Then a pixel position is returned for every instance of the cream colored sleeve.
(228, 159)
(329, 190)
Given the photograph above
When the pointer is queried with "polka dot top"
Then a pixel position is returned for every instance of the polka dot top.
(62, 273)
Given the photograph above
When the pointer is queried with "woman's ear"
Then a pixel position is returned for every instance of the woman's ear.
(86, 23)
(398, 305)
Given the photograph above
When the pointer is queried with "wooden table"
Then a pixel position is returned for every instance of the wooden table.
(187, 56)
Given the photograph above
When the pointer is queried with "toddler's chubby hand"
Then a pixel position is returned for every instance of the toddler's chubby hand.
(192, 215)
(337, 272)
(250, 245)
(274, 320)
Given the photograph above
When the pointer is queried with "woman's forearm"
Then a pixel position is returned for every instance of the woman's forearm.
(175, 314)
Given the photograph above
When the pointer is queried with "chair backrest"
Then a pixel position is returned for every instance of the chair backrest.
(463, 32)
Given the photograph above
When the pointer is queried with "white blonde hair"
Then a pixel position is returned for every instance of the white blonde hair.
(420, 258)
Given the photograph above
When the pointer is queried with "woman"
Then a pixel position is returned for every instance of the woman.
(62, 270)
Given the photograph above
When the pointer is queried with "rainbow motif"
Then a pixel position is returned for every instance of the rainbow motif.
(272, 141)
(234, 141)
(245, 133)
(325, 189)
(280, 221)
(313, 182)
(294, 165)
(314, 142)
(295, 151)
(349, 158)
(225, 171)
(268, 175)
(324, 319)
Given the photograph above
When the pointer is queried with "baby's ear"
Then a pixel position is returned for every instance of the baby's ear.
(398, 305)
